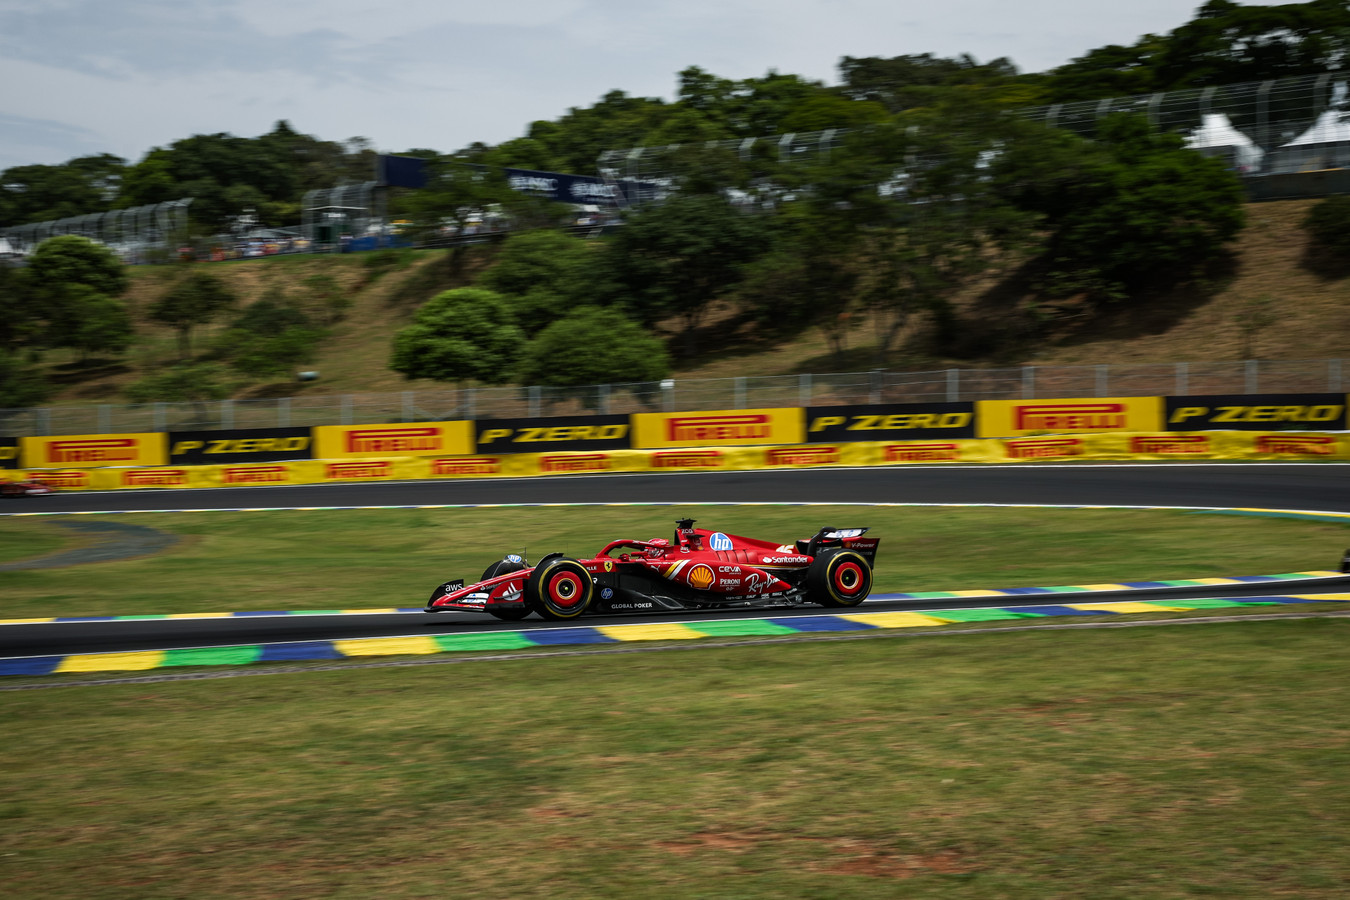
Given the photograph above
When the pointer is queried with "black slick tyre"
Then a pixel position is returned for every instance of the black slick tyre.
(838, 578)
(503, 567)
(559, 589)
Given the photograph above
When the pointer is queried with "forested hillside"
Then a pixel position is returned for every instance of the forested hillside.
(938, 230)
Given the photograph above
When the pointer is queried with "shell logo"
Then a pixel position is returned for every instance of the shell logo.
(701, 577)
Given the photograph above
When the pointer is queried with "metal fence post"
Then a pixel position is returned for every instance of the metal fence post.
(470, 401)
(804, 390)
(346, 414)
(104, 419)
(1102, 380)
(284, 412)
(1028, 382)
(1253, 379)
(603, 403)
(534, 401)
(874, 387)
(44, 420)
(159, 417)
(738, 392)
(1183, 379)
(409, 407)
(953, 385)
(227, 413)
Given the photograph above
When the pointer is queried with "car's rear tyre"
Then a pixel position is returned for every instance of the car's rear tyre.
(839, 578)
(505, 567)
(559, 589)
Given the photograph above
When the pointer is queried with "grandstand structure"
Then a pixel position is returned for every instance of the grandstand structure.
(130, 233)
(1285, 137)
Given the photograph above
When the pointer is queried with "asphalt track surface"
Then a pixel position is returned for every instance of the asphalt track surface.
(1283, 486)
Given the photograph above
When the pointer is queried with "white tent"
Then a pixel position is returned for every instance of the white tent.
(1216, 132)
(1331, 127)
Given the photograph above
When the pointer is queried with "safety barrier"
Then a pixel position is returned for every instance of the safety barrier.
(1219, 445)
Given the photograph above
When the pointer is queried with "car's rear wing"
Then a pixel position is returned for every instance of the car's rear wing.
(848, 538)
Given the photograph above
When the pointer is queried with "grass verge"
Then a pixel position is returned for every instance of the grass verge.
(1142, 763)
(376, 558)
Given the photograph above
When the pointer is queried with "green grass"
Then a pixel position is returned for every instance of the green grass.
(30, 540)
(376, 558)
(1145, 763)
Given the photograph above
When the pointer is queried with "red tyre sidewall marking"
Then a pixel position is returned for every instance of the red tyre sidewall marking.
(840, 584)
(563, 600)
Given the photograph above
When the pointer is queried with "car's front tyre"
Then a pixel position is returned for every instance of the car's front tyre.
(559, 589)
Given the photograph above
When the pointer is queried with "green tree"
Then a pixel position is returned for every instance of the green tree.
(19, 321)
(1144, 213)
(196, 300)
(76, 285)
(1328, 225)
(467, 333)
(20, 384)
(271, 337)
(592, 346)
(40, 193)
(544, 273)
(673, 259)
(103, 325)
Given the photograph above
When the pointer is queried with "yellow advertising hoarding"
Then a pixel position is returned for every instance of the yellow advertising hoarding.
(1075, 415)
(719, 428)
(388, 441)
(94, 451)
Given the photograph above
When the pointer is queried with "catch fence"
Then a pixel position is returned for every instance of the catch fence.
(673, 395)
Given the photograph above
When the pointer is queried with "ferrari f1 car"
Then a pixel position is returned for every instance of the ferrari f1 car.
(698, 570)
(29, 487)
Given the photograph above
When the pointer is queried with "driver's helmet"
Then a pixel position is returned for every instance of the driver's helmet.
(658, 547)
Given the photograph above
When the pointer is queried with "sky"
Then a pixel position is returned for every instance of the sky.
(81, 77)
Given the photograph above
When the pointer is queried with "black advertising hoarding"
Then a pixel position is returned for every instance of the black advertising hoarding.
(205, 448)
(548, 435)
(890, 422)
(1256, 412)
(9, 453)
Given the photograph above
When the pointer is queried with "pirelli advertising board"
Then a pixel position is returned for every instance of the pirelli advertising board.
(1095, 415)
(94, 451)
(719, 428)
(9, 453)
(203, 448)
(1256, 412)
(893, 422)
(552, 435)
(404, 439)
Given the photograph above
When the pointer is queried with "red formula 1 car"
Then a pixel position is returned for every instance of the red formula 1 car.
(699, 570)
(30, 487)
